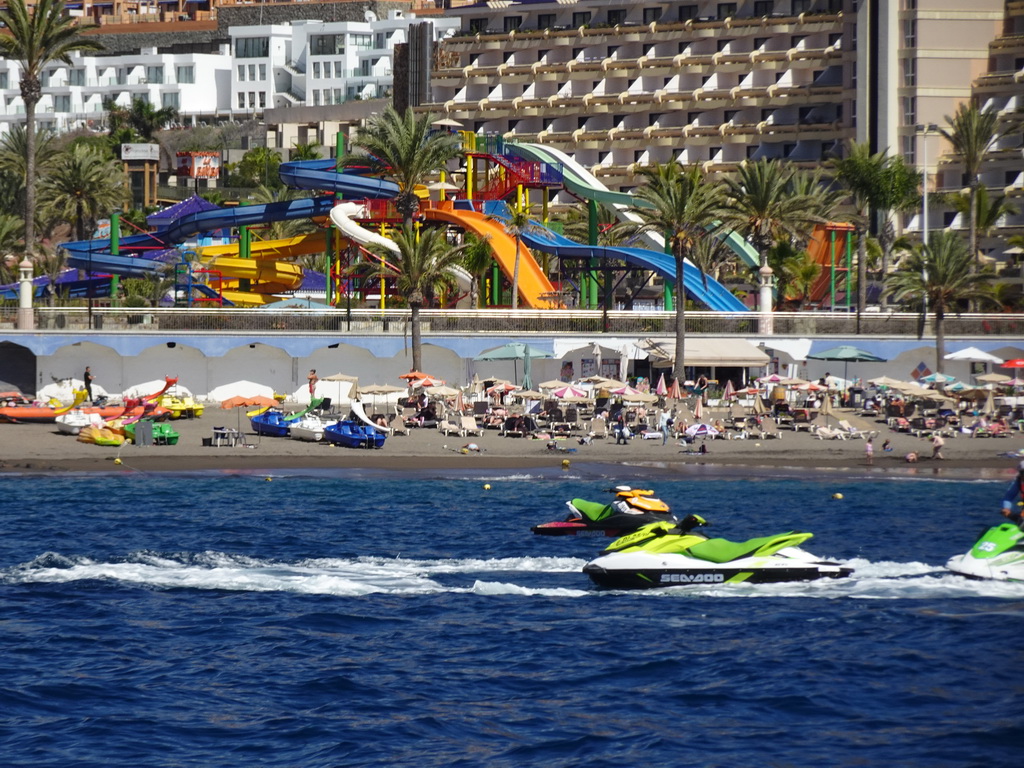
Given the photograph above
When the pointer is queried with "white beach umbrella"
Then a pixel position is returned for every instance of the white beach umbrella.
(241, 388)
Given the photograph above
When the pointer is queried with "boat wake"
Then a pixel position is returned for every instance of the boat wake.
(526, 576)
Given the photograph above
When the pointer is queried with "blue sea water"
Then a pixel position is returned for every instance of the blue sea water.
(373, 619)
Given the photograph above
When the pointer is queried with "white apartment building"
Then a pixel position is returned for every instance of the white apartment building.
(313, 63)
(195, 84)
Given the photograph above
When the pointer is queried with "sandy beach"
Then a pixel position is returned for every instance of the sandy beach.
(40, 448)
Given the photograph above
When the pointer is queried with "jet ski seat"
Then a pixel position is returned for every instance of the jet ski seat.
(724, 551)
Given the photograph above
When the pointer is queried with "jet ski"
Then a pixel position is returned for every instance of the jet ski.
(670, 554)
(632, 508)
(998, 554)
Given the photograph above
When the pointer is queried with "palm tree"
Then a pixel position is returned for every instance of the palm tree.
(803, 272)
(85, 185)
(309, 151)
(517, 223)
(897, 193)
(678, 204)
(763, 204)
(141, 117)
(13, 150)
(987, 210)
(861, 173)
(477, 258)
(941, 274)
(425, 264)
(405, 148)
(36, 38)
(279, 230)
(972, 133)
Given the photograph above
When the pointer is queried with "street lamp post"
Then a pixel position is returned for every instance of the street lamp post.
(924, 131)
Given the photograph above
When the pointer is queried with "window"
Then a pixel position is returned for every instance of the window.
(581, 19)
(801, 6)
(686, 12)
(185, 74)
(909, 72)
(764, 8)
(3, 80)
(263, 99)
(76, 77)
(241, 73)
(380, 40)
(252, 72)
(581, 123)
(730, 115)
(545, 20)
(171, 100)
(760, 42)
(263, 72)
(252, 47)
(316, 98)
(725, 10)
(326, 45)
(62, 103)
(909, 110)
(362, 42)
(616, 16)
(909, 150)
(835, 39)
(154, 75)
(477, 25)
(651, 15)
(339, 69)
(252, 100)
(337, 95)
(723, 44)
(510, 23)
(910, 33)
(316, 70)
(364, 68)
(241, 100)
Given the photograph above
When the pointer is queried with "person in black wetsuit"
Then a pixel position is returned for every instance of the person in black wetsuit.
(87, 379)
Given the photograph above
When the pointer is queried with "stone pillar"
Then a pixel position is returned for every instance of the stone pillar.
(765, 322)
(26, 317)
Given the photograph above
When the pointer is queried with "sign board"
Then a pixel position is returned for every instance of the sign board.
(199, 165)
(140, 152)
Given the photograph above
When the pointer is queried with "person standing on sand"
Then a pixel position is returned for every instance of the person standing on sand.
(937, 444)
(869, 450)
(87, 379)
(313, 379)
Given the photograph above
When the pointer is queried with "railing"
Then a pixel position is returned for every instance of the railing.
(502, 322)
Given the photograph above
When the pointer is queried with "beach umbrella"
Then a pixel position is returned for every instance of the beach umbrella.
(553, 384)
(625, 390)
(515, 351)
(846, 354)
(759, 408)
(379, 389)
(885, 381)
(569, 391)
(255, 401)
(729, 390)
(773, 378)
(528, 394)
(1015, 363)
(701, 430)
(938, 378)
(674, 392)
(661, 388)
(502, 386)
(826, 408)
(441, 391)
(426, 381)
(413, 375)
(993, 378)
(973, 355)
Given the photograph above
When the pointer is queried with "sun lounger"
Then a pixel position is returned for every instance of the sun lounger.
(852, 431)
(397, 425)
(470, 427)
(450, 426)
(828, 433)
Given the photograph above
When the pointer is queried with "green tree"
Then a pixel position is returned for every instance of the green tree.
(405, 148)
(896, 193)
(141, 118)
(987, 210)
(517, 223)
(44, 34)
(972, 132)
(258, 167)
(678, 204)
(860, 172)
(280, 230)
(939, 276)
(425, 266)
(477, 258)
(13, 171)
(309, 151)
(86, 184)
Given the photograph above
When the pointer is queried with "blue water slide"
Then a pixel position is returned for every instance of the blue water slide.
(309, 174)
(715, 296)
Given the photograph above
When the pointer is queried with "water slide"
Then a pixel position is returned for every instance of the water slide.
(267, 271)
(535, 290)
(820, 249)
(359, 413)
(583, 183)
(715, 296)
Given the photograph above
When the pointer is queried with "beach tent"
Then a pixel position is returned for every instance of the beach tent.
(241, 388)
(515, 351)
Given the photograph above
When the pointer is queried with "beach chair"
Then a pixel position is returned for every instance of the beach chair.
(470, 427)
(828, 433)
(397, 425)
(854, 432)
(769, 429)
(450, 425)
(599, 428)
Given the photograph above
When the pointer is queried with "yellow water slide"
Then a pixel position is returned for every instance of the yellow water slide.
(268, 272)
(535, 290)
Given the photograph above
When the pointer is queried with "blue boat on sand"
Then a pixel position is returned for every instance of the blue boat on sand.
(273, 423)
(352, 434)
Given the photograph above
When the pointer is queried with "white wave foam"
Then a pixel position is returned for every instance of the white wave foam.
(501, 588)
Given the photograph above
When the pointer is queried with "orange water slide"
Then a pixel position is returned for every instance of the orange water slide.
(535, 289)
(828, 251)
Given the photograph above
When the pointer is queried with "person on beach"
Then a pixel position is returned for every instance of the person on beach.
(937, 444)
(869, 450)
(911, 458)
(621, 430)
(87, 379)
(887, 446)
(1016, 489)
(312, 378)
